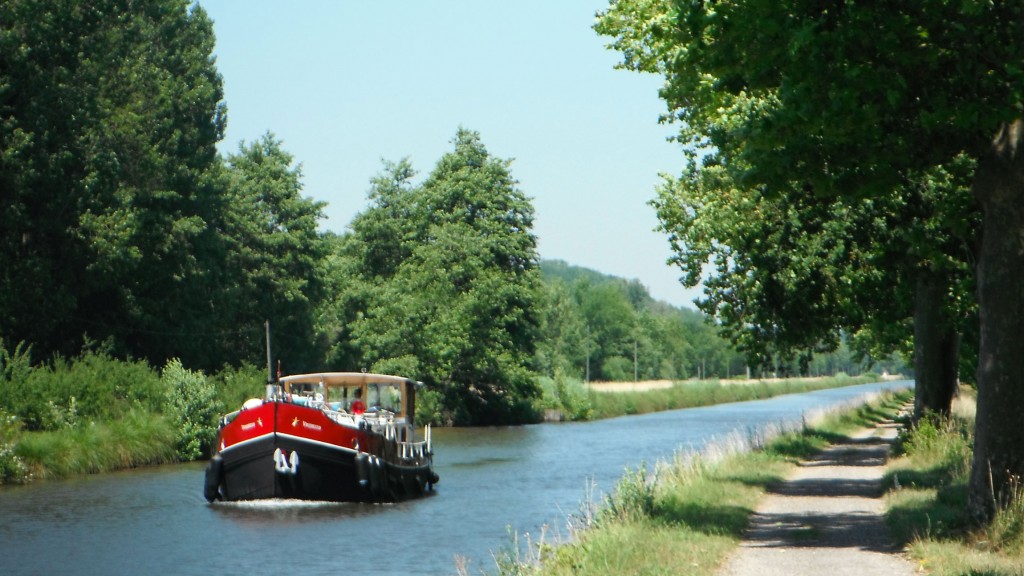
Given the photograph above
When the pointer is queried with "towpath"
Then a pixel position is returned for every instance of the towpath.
(827, 518)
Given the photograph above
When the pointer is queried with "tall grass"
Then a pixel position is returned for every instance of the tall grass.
(137, 439)
(12, 467)
(927, 503)
(567, 396)
(90, 387)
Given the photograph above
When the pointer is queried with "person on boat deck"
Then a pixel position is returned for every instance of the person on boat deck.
(357, 405)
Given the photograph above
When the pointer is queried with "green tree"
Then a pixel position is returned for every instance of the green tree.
(789, 272)
(563, 346)
(191, 404)
(445, 277)
(109, 116)
(593, 321)
(610, 320)
(855, 100)
(273, 264)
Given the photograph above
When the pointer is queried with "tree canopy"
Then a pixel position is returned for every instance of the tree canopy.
(449, 283)
(855, 101)
(121, 221)
(109, 118)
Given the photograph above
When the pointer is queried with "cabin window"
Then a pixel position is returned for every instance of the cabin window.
(336, 398)
(373, 396)
(384, 397)
(308, 390)
(390, 398)
(341, 397)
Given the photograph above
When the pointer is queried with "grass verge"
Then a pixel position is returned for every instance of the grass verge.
(684, 516)
(137, 439)
(927, 502)
(575, 402)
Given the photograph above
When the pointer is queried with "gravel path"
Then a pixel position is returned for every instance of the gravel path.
(827, 518)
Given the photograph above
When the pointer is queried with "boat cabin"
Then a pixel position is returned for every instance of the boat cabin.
(353, 393)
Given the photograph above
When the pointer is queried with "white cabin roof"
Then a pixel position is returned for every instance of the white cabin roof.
(345, 378)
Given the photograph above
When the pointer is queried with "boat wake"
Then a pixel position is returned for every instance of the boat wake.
(293, 511)
(272, 504)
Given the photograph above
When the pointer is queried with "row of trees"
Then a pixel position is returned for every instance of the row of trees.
(604, 328)
(854, 168)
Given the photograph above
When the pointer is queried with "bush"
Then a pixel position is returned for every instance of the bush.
(16, 397)
(90, 387)
(633, 498)
(567, 395)
(12, 467)
(106, 388)
(617, 369)
(191, 405)
(236, 385)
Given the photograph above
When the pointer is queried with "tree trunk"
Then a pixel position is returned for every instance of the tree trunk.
(998, 463)
(936, 347)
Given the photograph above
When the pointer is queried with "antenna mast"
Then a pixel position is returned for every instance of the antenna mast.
(270, 362)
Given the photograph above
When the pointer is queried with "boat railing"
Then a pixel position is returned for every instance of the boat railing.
(383, 421)
(421, 451)
(415, 451)
(342, 417)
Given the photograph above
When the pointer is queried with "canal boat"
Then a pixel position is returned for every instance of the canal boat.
(333, 436)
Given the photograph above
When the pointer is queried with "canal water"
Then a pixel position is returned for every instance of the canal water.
(494, 482)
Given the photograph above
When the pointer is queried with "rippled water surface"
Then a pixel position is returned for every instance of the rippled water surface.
(155, 521)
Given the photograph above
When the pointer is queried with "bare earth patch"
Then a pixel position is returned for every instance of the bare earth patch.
(827, 518)
(642, 386)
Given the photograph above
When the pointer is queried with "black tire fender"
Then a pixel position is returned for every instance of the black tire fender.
(214, 479)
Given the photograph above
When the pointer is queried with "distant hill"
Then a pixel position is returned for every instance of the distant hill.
(635, 290)
(571, 273)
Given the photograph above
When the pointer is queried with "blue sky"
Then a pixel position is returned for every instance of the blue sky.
(345, 84)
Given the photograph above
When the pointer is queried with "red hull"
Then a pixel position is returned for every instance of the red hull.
(284, 450)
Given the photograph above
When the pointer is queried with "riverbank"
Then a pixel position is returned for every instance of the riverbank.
(655, 397)
(687, 515)
(648, 385)
(111, 415)
(692, 513)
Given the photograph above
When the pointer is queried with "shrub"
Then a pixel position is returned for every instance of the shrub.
(106, 388)
(567, 395)
(90, 387)
(236, 385)
(12, 467)
(617, 368)
(633, 498)
(16, 396)
(191, 404)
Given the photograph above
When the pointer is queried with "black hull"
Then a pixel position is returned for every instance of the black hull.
(281, 466)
